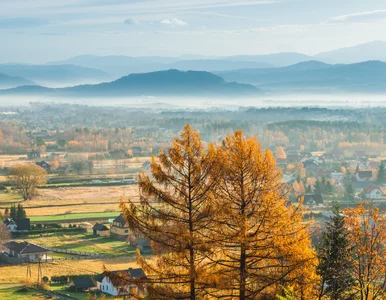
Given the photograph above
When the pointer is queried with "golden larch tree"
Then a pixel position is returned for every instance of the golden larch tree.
(280, 153)
(366, 224)
(264, 244)
(175, 214)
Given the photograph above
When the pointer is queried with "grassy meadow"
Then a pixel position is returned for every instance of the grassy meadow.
(107, 246)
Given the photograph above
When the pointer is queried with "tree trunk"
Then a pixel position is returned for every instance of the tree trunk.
(242, 273)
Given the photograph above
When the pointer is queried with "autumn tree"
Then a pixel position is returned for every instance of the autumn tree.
(335, 259)
(280, 153)
(176, 213)
(264, 244)
(367, 235)
(26, 178)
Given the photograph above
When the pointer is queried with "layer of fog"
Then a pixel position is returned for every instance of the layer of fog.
(328, 101)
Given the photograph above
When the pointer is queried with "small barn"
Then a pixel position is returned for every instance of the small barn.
(81, 284)
(311, 199)
(100, 230)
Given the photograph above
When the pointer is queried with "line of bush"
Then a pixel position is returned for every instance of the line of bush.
(49, 230)
(55, 186)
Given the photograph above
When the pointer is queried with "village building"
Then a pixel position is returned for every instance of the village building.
(311, 199)
(17, 225)
(364, 176)
(34, 154)
(337, 176)
(25, 251)
(100, 230)
(120, 228)
(373, 192)
(120, 283)
(81, 284)
(11, 225)
(46, 166)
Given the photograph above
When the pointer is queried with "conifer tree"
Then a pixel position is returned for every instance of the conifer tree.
(264, 244)
(381, 178)
(13, 212)
(176, 213)
(20, 212)
(6, 213)
(308, 189)
(335, 258)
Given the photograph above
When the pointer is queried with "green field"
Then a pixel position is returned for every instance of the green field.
(74, 217)
(109, 247)
(18, 293)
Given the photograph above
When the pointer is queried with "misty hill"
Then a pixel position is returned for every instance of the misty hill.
(119, 65)
(54, 75)
(7, 81)
(213, 65)
(312, 76)
(276, 59)
(370, 51)
(162, 83)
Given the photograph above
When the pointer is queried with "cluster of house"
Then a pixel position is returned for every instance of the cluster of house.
(120, 229)
(363, 181)
(113, 283)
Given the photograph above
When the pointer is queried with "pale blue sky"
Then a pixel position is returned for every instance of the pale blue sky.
(38, 31)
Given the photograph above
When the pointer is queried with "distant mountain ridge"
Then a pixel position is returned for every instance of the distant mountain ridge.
(162, 83)
(375, 50)
(314, 76)
(60, 74)
(7, 81)
(118, 65)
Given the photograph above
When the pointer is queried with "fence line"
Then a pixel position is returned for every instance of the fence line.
(93, 255)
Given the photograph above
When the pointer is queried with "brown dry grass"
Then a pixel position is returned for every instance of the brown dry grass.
(17, 274)
(87, 196)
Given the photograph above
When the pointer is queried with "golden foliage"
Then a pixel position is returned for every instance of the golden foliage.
(263, 244)
(367, 234)
(219, 224)
(25, 179)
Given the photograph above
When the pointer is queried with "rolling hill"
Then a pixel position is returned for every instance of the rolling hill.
(365, 77)
(61, 75)
(162, 83)
(119, 65)
(375, 50)
(7, 81)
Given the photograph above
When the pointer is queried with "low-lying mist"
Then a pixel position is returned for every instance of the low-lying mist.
(290, 100)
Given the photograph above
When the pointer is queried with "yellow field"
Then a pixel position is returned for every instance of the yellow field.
(17, 274)
(79, 199)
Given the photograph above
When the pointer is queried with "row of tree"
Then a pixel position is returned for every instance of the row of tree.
(15, 212)
(220, 225)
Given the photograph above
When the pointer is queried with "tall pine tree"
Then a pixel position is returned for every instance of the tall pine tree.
(381, 178)
(13, 212)
(335, 264)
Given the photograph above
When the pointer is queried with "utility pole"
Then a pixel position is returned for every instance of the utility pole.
(40, 274)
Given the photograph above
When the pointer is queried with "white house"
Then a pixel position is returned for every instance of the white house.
(11, 224)
(120, 283)
(364, 176)
(337, 176)
(373, 192)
